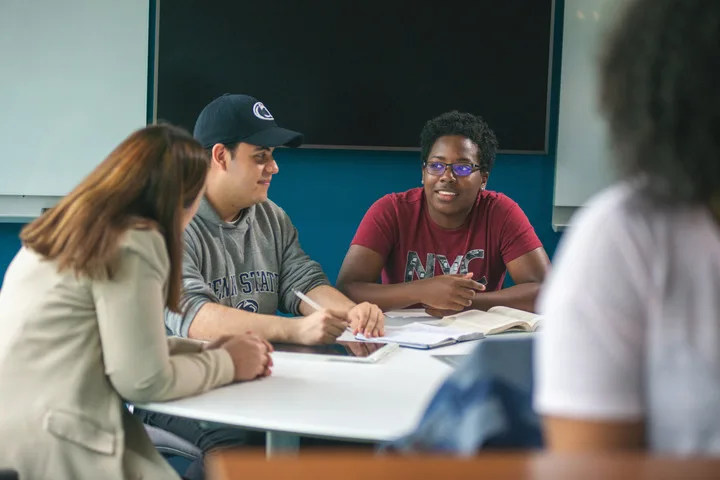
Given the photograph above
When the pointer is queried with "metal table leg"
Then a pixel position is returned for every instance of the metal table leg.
(277, 443)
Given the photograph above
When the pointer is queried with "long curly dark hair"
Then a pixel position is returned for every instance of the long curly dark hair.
(660, 93)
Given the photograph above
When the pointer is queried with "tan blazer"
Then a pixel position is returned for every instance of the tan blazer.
(73, 350)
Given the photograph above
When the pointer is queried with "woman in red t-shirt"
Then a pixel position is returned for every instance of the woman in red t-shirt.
(448, 244)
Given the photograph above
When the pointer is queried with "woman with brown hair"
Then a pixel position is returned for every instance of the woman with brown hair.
(82, 312)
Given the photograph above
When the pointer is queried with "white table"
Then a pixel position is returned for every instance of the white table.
(365, 402)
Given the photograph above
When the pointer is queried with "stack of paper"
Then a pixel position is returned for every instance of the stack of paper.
(418, 335)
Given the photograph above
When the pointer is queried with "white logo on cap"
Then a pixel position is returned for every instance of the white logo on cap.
(261, 112)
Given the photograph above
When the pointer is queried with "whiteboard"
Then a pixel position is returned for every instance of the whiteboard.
(583, 165)
(74, 84)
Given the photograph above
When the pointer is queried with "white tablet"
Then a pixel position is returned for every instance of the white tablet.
(342, 351)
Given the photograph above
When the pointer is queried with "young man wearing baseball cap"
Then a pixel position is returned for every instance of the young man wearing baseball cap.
(243, 261)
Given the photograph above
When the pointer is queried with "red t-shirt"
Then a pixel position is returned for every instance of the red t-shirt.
(399, 228)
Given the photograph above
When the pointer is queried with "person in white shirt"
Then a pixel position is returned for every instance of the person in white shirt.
(629, 355)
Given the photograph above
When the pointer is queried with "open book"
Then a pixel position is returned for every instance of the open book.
(495, 320)
(422, 335)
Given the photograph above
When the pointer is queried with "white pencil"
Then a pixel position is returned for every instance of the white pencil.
(312, 303)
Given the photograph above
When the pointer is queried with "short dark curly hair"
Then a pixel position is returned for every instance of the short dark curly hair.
(660, 93)
(464, 124)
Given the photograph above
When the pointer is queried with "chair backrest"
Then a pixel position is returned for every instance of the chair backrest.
(508, 357)
(7, 474)
(169, 444)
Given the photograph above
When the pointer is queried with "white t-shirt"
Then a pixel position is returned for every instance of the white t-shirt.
(632, 327)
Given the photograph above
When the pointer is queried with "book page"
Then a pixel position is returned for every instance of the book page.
(486, 323)
(531, 318)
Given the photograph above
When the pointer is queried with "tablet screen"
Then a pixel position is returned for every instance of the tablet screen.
(340, 349)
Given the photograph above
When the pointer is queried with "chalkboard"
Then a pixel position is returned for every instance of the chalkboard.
(363, 74)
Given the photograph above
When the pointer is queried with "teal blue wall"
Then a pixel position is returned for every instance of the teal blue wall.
(9, 244)
(326, 192)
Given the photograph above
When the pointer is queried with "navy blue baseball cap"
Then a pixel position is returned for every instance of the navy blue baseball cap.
(233, 118)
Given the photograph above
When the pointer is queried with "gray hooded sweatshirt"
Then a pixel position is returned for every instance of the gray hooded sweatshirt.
(254, 263)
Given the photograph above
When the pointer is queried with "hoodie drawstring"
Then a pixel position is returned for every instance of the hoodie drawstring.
(227, 262)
